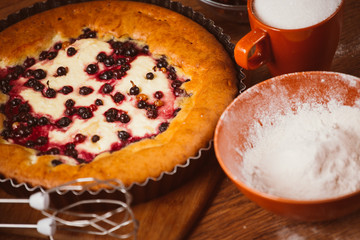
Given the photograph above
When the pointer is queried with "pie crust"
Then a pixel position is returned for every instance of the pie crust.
(186, 44)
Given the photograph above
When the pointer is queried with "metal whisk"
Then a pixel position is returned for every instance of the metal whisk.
(117, 220)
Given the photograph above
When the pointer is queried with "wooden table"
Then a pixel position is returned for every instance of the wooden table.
(210, 206)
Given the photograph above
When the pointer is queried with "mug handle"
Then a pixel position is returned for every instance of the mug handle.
(256, 38)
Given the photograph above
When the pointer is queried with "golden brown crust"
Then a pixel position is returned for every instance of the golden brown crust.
(186, 45)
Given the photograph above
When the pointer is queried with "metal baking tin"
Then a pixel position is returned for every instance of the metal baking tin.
(152, 187)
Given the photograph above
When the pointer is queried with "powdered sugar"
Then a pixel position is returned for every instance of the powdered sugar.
(310, 153)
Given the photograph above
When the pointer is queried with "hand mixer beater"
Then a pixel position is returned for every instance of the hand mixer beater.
(116, 218)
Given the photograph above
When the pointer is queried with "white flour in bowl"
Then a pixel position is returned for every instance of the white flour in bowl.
(311, 154)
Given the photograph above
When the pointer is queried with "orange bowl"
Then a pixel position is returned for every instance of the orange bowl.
(277, 96)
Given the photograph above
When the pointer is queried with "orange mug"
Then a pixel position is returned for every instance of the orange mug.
(289, 50)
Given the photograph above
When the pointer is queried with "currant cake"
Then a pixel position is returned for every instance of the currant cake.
(108, 89)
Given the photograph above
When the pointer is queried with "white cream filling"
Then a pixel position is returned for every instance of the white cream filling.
(87, 50)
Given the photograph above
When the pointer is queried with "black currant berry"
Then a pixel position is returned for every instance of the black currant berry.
(69, 103)
(66, 89)
(50, 93)
(123, 135)
(124, 118)
(107, 75)
(85, 90)
(41, 140)
(163, 126)
(92, 69)
(43, 121)
(134, 90)
(150, 76)
(71, 51)
(118, 97)
(39, 74)
(107, 88)
(141, 104)
(61, 71)
(95, 138)
(58, 46)
(99, 102)
(101, 57)
(63, 122)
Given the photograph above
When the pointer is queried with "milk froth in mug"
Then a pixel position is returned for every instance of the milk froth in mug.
(291, 35)
(294, 14)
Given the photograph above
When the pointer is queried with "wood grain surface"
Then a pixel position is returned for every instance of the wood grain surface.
(209, 206)
(170, 216)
